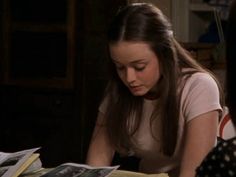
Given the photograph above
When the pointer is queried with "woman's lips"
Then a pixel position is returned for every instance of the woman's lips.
(135, 88)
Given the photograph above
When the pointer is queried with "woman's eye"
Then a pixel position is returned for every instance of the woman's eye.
(139, 68)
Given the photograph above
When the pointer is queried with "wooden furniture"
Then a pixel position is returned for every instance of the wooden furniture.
(38, 94)
(207, 54)
(191, 18)
(52, 58)
(41, 34)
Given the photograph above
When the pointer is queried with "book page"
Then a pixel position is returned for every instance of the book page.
(11, 162)
(34, 167)
(79, 170)
(123, 173)
(25, 165)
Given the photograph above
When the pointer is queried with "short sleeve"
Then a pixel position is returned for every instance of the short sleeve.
(200, 95)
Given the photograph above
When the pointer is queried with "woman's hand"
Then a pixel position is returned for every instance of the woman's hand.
(100, 151)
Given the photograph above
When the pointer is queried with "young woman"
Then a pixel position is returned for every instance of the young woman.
(160, 104)
(221, 161)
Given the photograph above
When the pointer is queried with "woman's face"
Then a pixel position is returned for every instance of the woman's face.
(137, 66)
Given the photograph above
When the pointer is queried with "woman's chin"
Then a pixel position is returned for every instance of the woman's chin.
(139, 93)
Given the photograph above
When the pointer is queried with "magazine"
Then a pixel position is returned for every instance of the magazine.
(124, 173)
(79, 170)
(14, 164)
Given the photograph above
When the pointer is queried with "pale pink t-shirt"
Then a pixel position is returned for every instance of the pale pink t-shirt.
(200, 95)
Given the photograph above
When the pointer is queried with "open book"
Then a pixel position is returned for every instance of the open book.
(14, 164)
(124, 173)
(81, 170)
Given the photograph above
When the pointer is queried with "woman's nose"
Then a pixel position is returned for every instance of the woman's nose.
(130, 75)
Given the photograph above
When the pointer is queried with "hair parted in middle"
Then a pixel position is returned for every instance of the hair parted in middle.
(144, 22)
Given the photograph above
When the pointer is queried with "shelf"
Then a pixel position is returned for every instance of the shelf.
(39, 43)
(191, 19)
(198, 45)
(39, 10)
(201, 7)
(39, 27)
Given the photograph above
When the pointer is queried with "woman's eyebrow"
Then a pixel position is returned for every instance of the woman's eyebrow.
(134, 61)
(139, 61)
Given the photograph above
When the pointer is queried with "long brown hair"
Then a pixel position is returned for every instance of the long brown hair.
(143, 22)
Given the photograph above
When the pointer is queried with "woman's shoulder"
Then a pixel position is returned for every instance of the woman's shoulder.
(199, 94)
(199, 80)
(200, 77)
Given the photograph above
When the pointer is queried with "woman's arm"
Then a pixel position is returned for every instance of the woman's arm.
(100, 152)
(200, 137)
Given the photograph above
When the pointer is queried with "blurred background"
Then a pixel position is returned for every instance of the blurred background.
(53, 55)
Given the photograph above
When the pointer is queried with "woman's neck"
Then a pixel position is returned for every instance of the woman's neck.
(151, 96)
